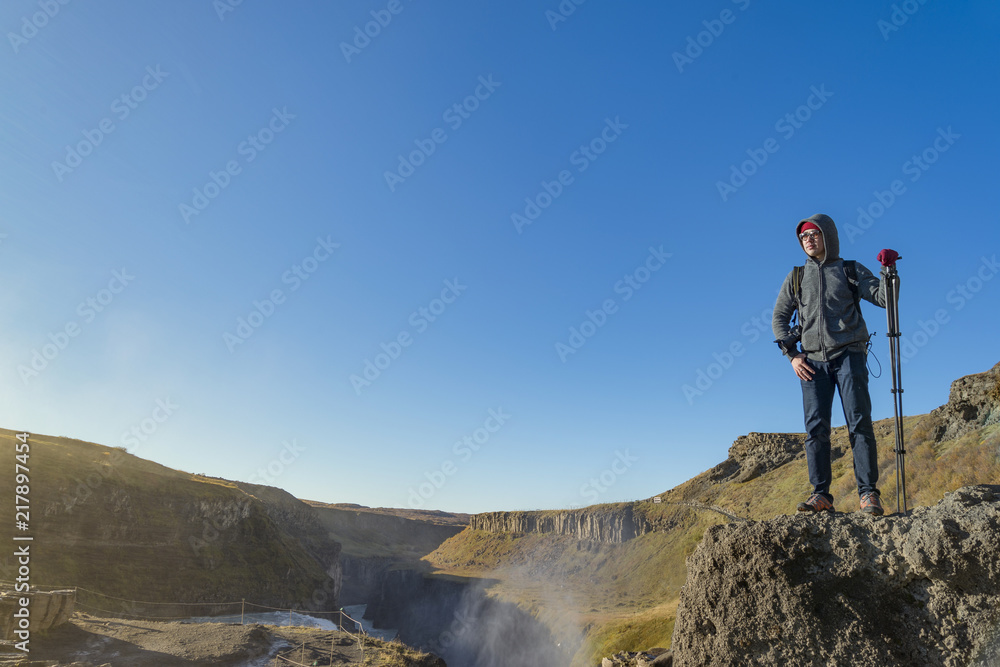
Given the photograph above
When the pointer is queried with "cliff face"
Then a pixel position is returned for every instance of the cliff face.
(303, 523)
(365, 532)
(974, 402)
(611, 524)
(848, 589)
(362, 577)
(455, 619)
(376, 541)
(107, 521)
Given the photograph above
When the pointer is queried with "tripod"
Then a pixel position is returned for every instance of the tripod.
(892, 317)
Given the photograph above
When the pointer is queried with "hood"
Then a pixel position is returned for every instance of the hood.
(830, 238)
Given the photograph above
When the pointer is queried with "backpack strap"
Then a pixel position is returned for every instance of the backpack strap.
(851, 272)
(797, 272)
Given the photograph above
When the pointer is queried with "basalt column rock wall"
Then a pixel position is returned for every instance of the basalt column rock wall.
(614, 525)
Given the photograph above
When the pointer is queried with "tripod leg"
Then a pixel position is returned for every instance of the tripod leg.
(892, 315)
(901, 440)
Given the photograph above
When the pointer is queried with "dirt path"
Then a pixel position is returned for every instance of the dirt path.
(89, 640)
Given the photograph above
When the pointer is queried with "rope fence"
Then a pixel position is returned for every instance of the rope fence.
(240, 609)
(285, 657)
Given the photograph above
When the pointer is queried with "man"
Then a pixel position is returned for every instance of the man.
(834, 341)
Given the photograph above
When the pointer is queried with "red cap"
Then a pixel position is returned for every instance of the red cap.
(809, 225)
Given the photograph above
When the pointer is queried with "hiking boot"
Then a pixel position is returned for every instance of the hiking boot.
(870, 504)
(816, 503)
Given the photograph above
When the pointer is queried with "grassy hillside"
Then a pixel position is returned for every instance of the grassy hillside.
(108, 521)
(398, 534)
(624, 596)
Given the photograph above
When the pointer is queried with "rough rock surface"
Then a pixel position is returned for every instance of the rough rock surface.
(754, 454)
(848, 589)
(974, 402)
(601, 525)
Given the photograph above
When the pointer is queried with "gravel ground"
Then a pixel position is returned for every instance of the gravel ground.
(89, 641)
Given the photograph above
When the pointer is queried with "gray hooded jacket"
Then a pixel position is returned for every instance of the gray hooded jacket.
(831, 325)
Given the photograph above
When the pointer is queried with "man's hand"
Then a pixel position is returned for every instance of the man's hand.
(802, 368)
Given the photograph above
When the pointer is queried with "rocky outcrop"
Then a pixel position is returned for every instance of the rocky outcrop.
(754, 454)
(611, 524)
(46, 609)
(974, 402)
(848, 589)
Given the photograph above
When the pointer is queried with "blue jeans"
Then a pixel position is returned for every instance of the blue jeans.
(849, 375)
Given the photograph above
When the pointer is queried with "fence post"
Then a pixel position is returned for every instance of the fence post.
(243, 608)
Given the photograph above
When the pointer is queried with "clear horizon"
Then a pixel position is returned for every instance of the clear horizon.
(481, 257)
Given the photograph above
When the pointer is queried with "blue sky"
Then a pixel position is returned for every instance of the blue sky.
(218, 218)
